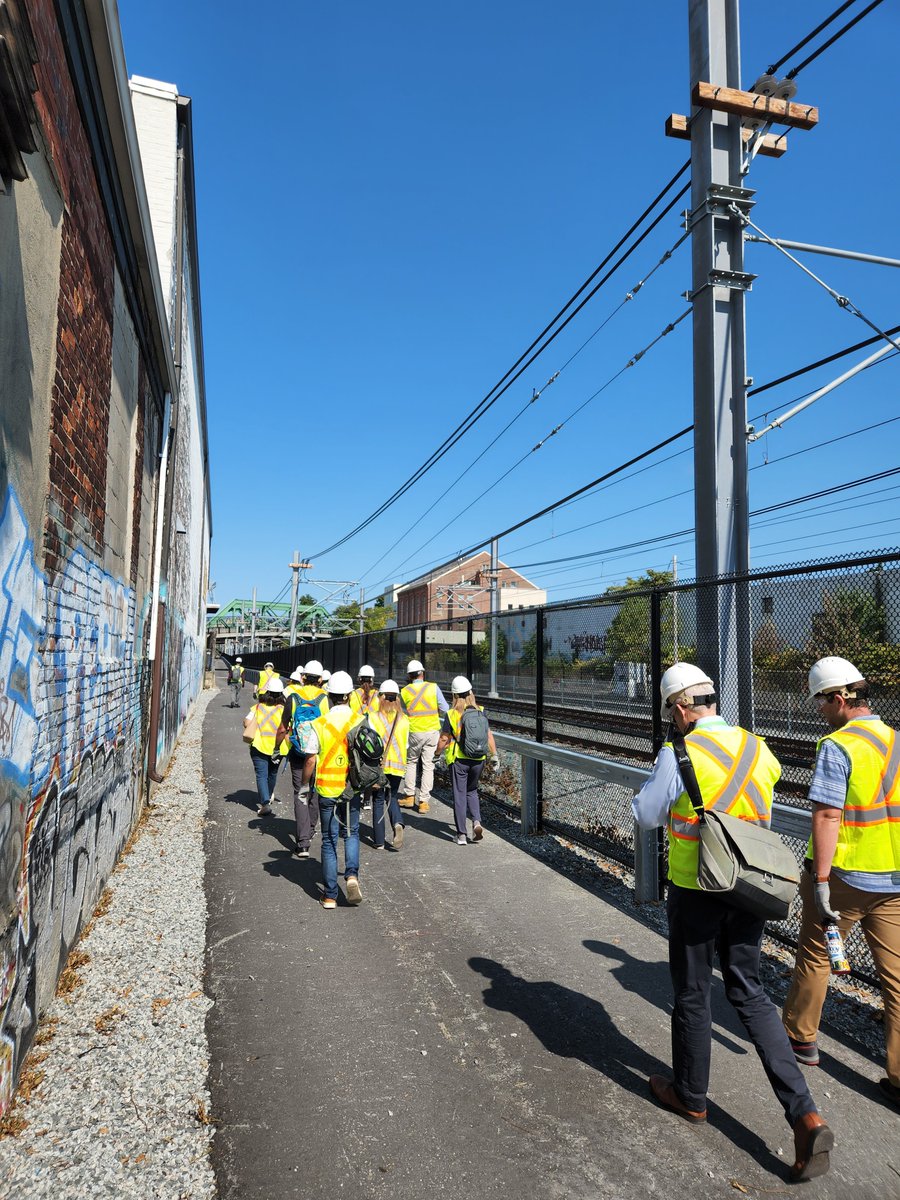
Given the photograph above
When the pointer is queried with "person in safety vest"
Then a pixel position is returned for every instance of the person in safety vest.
(365, 698)
(268, 746)
(236, 682)
(392, 723)
(465, 769)
(264, 676)
(329, 758)
(853, 858)
(425, 705)
(304, 701)
(736, 773)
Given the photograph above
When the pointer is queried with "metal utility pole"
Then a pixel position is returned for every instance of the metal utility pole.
(362, 619)
(674, 609)
(295, 592)
(720, 370)
(495, 604)
(253, 623)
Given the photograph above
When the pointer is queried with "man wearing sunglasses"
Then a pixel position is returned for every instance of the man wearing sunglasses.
(853, 858)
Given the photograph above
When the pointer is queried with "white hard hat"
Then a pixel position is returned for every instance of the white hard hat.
(389, 688)
(340, 684)
(366, 673)
(269, 664)
(239, 659)
(298, 673)
(681, 677)
(313, 667)
(832, 674)
(275, 684)
(326, 675)
(460, 686)
(413, 667)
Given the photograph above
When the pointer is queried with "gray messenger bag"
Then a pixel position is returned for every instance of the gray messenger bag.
(747, 865)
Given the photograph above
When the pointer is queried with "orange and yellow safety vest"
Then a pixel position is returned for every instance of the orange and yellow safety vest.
(421, 704)
(268, 718)
(332, 761)
(361, 704)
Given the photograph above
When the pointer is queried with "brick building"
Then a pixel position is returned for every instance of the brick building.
(102, 466)
(461, 589)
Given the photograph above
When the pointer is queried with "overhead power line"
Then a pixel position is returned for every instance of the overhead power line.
(820, 362)
(520, 365)
(795, 71)
(809, 37)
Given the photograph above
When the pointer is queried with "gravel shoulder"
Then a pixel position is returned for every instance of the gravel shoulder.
(118, 1103)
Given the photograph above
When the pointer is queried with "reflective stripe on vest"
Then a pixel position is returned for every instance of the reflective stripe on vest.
(397, 748)
(736, 773)
(268, 718)
(332, 761)
(869, 836)
(422, 706)
(358, 702)
(264, 677)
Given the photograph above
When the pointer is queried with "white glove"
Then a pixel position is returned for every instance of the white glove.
(822, 899)
(495, 761)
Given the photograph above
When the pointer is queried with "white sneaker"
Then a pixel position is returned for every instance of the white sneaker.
(461, 839)
(264, 810)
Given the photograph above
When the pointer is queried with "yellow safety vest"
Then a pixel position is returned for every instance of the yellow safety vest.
(309, 691)
(264, 677)
(869, 837)
(397, 748)
(268, 718)
(453, 752)
(421, 704)
(332, 761)
(359, 704)
(292, 689)
(736, 773)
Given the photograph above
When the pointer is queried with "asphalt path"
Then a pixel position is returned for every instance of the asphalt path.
(481, 1026)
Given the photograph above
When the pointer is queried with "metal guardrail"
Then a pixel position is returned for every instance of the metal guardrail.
(786, 820)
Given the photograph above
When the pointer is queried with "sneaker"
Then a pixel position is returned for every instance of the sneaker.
(301, 851)
(424, 806)
(328, 902)
(477, 832)
(264, 810)
(806, 1053)
(398, 837)
(354, 895)
(461, 839)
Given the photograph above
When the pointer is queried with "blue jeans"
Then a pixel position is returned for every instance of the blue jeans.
(266, 774)
(332, 817)
(388, 793)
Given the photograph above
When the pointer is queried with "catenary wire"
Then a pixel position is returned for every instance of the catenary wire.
(516, 370)
(809, 37)
(537, 393)
(820, 362)
(795, 71)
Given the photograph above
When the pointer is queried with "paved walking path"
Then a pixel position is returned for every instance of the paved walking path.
(481, 1026)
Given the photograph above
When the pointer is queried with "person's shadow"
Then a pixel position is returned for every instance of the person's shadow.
(571, 1025)
(652, 982)
(246, 797)
(303, 872)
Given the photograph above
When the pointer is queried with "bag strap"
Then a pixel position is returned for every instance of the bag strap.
(688, 774)
(387, 744)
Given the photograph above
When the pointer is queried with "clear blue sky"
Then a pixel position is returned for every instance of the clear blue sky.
(393, 201)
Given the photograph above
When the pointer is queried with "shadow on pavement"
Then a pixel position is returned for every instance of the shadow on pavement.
(572, 1025)
(246, 797)
(652, 982)
(306, 873)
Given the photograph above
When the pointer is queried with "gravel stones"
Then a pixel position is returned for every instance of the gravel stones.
(123, 1109)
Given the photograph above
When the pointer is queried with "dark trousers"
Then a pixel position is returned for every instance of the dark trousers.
(306, 808)
(701, 926)
(386, 796)
(464, 776)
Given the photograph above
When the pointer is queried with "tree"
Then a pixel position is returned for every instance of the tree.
(853, 625)
(374, 619)
(628, 637)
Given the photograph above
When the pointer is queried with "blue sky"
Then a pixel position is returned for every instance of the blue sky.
(393, 201)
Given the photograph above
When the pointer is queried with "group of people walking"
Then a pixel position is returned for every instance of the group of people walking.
(851, 874)
(313, 723)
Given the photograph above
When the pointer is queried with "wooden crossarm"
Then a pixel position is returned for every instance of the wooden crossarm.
(750, 104)
(773, 145)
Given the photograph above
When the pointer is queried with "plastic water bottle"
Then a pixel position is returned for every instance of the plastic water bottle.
(835, 946)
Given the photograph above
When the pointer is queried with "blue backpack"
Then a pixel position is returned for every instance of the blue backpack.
(304, 712)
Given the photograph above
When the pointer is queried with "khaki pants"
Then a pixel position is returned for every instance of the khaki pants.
(421, 748)
(879, 915)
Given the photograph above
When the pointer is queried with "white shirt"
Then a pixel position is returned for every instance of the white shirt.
(341, 712)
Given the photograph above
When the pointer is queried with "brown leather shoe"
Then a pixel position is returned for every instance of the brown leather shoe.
(664, 1091)
(813, 1142)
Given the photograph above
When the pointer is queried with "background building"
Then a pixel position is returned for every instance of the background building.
(462, 589)
(101, 466)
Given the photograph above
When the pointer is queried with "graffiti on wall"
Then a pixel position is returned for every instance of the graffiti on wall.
(69, 762)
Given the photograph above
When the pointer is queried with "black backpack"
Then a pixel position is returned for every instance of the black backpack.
(235, 674)
(365, 749)
(473, 734)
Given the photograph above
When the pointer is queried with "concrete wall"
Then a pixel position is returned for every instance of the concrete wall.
(80, 436)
